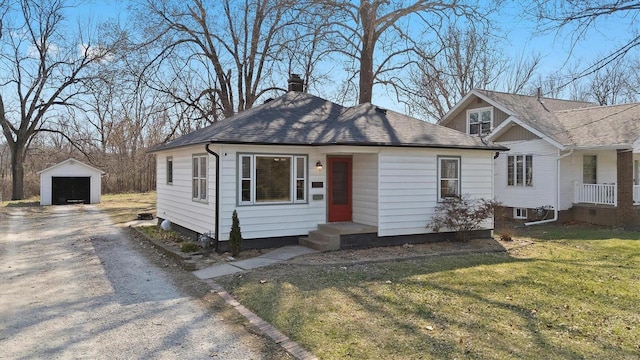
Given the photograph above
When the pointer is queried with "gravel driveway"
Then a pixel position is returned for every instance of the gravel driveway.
(73, 285)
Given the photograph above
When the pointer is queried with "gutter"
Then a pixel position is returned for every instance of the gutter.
(217, 213)
(555, 208)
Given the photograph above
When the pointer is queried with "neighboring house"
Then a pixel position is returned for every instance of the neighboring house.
(300, 165)
(70, 182)
(568, 159)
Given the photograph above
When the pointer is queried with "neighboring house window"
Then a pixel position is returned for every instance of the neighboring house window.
(448, 177)
(272, 179)
(519, 213)
(479, 121)
(169, 169)
(520, 170)
(589, 169)
(199, 176)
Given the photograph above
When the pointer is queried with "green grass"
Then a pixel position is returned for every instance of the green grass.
(561, 299)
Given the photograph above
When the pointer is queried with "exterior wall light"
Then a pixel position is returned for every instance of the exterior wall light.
(319, 165)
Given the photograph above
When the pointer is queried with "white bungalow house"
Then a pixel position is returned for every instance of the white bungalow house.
(301, 169)
(568, 160)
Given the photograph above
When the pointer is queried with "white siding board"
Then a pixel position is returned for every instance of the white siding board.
(174, 201)
(394, 189)
(365, 189)
(543, 191)
(408, 186)
(261, 221)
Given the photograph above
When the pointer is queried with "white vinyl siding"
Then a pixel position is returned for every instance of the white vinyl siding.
(266, 220)
(174, 202)
(408, 186)
(365, 189)
(542, 191)
(395, 189)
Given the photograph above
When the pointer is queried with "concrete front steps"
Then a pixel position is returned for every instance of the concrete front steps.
(328, 236)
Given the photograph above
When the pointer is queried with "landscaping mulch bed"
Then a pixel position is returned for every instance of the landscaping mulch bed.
(172, 242)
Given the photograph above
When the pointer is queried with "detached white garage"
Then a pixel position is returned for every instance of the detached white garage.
(70, 182)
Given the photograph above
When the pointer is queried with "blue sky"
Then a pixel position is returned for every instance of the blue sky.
(520, 32)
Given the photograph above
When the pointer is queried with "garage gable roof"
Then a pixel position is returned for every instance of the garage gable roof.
(71, 161)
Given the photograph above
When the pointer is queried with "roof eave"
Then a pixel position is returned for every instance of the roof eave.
(513, 119)
(492, 147)
(602, 147)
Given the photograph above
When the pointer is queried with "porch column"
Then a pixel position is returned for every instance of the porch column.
(625, 212)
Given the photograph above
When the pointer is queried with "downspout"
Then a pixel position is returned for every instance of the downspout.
(555, 208)
(217, 213)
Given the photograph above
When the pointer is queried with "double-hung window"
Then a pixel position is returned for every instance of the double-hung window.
(520, 170)
(448, 177)
(265, 179)
(479, 121)
(199, 177)
(169, 169)
(589, 169)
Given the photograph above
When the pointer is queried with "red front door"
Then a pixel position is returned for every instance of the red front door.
(339, 173)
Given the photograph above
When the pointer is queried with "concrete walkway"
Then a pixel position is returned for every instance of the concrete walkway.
(270, 258)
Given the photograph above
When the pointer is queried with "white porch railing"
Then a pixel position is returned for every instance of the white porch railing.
(605, 194)
(636, 194)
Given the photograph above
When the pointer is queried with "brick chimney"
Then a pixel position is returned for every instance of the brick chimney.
(296, 83)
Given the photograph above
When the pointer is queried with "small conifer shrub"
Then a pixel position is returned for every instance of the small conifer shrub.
(235, 236)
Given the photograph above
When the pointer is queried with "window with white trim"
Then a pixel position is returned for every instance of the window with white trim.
(267, 179)
(199, 177)
(480, 121)
(169, 169)
(448, 177)
(520, 170)
(520, 213)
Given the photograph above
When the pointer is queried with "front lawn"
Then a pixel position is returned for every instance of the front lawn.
(122, 208)
(564, 299)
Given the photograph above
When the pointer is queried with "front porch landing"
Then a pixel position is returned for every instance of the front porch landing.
(331, 236)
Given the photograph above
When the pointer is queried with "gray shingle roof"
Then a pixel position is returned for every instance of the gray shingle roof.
(303, 119)
(540, 115)
(574, 123)
(615, 125)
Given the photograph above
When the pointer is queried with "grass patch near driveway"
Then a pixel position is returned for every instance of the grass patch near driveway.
(564, 299)
(122, 208)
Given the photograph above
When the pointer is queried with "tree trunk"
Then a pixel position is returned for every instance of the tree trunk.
(366, 73)
(17, 172)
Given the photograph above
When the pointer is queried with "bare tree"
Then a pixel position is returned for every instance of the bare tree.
(468, 59)
(362, 27)
(41, 66)
(610, 85)
(230, 45)
(580, 16)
